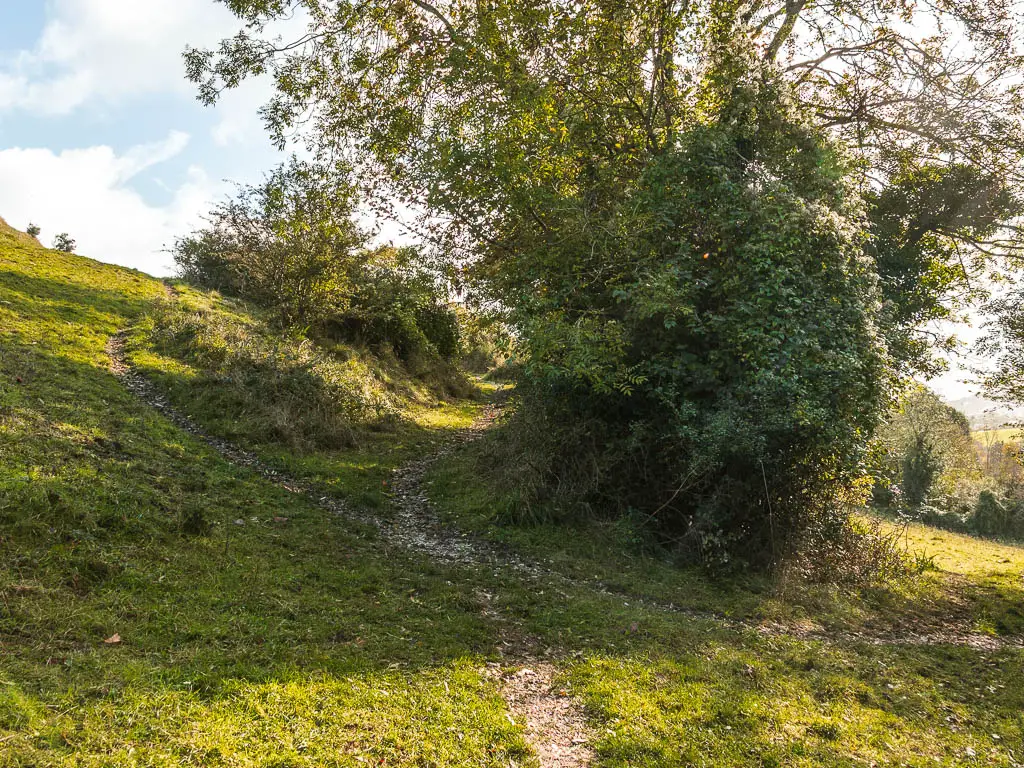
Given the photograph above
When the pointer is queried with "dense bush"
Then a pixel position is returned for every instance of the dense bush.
(398, 303)
(291, 245)
(719, 379)
(991, 516)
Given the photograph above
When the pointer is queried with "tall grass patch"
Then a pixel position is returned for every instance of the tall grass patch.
(264, 384)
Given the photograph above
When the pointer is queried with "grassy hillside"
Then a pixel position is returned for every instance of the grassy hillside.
(326, 411)
(285, 636)
(289, 641)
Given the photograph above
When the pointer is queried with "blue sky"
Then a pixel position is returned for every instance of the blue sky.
(101, 135)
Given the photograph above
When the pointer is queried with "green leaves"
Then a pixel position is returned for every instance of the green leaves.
(648, 194)
(936, 237)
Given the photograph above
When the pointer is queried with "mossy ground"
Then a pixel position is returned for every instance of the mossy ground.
(309, 642)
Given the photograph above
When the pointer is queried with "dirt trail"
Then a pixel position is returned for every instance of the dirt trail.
(555, 725)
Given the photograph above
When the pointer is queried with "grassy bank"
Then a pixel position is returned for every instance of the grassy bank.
(286, 637)
(327, 411)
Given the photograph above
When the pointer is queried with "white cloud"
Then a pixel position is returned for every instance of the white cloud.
(138, 159)
(108, 50)
(238, 111)
(84, 192)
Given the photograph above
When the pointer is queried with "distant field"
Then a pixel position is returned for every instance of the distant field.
(1004, 435)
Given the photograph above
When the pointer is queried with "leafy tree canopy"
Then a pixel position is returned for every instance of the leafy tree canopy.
(713, 293)
(487, 115)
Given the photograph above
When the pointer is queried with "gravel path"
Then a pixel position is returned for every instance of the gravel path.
(555, 725)
(416, 526)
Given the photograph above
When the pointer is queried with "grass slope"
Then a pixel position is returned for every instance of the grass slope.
(287, 644)
(342, 417)
(973, 584)
(310, 643)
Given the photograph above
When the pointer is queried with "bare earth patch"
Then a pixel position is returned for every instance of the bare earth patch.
(555, 726)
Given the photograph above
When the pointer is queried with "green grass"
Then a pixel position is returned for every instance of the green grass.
(300, 643)
(342, 417)
(977, 586)
(667, 691)
(312, 643)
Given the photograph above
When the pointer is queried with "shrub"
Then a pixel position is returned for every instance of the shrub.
(397, 303)
(940, 518)
(289, 244)
(722, 374)
(33, 231)
(995, 517)
(64, 243)
(854, 550)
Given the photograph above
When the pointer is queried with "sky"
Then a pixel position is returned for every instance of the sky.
(102, 137)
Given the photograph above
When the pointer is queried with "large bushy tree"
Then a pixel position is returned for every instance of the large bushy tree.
(650, 190)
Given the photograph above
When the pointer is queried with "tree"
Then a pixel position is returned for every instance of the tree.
(290, 243)
(63, 242)
(1003, 345)
(33, 231)
(930, 226)
(925, 453)
(610, 173)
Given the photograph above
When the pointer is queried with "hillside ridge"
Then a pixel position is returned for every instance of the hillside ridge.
(168, 596)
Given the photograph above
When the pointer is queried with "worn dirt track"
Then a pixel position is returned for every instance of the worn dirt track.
(554, 723)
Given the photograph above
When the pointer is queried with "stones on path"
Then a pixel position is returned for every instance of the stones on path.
(555, 727)
(554, 724)
(416, 526)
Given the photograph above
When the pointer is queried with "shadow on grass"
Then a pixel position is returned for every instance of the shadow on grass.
(931, 603)
(284, 637)
(34, 298)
